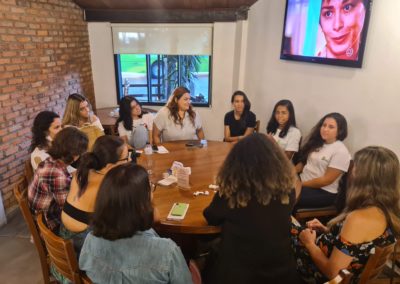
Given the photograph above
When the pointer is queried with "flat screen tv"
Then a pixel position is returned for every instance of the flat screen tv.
(326, 31)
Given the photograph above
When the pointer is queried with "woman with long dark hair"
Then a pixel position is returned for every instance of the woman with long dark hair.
(322, 161)
(282, 126)
(45, 127)
(239, 122)
(123, 248)
(253, 207)
(371, 218)
(108, 152)
(177, 120)
(135, 127)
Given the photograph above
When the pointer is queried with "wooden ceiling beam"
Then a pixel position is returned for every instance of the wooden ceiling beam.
(167, 16)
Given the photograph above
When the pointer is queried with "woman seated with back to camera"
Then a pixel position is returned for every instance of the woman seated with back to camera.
(253, 207)
(135, 127)
(51, 182)
(108, 152)
(282, 126)
(371, 218)
(177, 120)
(239, 122)
(123, 248)
(323, 160)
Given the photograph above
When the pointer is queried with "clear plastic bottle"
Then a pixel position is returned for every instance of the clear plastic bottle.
(148, 150)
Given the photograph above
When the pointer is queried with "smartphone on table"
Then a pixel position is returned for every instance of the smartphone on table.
(178, 211)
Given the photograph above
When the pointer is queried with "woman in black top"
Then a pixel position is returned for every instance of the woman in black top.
(239, 122)
(253, 207)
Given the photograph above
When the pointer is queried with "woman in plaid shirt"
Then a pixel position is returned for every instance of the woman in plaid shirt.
(51, 182)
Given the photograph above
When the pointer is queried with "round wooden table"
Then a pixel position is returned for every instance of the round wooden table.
(205, 163)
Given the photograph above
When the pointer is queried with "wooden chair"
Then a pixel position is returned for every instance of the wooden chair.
(332, 210)
(62, 254)
(20, 192)
(374, 266)
(28, 171)
(257, 127)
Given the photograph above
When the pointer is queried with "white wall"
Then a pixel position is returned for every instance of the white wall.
(369, 97)
(102, 58)
(227, 71)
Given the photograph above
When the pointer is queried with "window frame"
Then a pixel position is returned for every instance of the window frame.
(120, 88)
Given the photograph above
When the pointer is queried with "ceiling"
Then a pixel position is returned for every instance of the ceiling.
(153, 11)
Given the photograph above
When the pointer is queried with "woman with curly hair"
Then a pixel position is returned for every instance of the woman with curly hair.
(323, 160)
(371, 218)
(45, 127)
(177, 120)
(253, 207)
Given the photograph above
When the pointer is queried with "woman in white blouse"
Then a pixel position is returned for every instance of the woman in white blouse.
(177, 120)
(282, 126)
(135, 127)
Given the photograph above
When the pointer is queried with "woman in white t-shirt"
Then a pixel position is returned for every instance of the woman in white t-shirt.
(45, 127)
(177, 120)
(282, 126)
(323, 160)
(135, 127)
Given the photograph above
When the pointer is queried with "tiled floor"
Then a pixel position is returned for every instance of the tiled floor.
(19, 261)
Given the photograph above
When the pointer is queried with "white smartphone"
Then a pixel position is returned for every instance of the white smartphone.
(178, 211)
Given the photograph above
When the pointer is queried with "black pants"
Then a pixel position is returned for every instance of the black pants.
(314, 198)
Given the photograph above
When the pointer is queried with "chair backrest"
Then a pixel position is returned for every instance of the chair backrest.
(92, 132)
(374, 266)
(28, 171)
(257, 127)
(20, 192)
(376, 263)
(61, 253)
(342, 189)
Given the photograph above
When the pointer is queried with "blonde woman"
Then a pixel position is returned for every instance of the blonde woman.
(371, 218)
(78, 113)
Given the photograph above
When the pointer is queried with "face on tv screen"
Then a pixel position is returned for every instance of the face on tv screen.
(326, 31)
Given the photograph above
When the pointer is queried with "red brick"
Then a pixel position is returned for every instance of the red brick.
(9, 89)
(11, 151)
(15, 81)
(5, 60)
(12, 67)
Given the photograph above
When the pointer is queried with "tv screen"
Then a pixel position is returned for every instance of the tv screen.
(326, 31)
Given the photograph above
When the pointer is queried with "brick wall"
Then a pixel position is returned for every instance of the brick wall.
(44, 57)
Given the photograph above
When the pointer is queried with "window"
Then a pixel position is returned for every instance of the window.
(152, 60)
(151, 78)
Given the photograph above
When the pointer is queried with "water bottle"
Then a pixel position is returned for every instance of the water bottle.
(148, 150)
